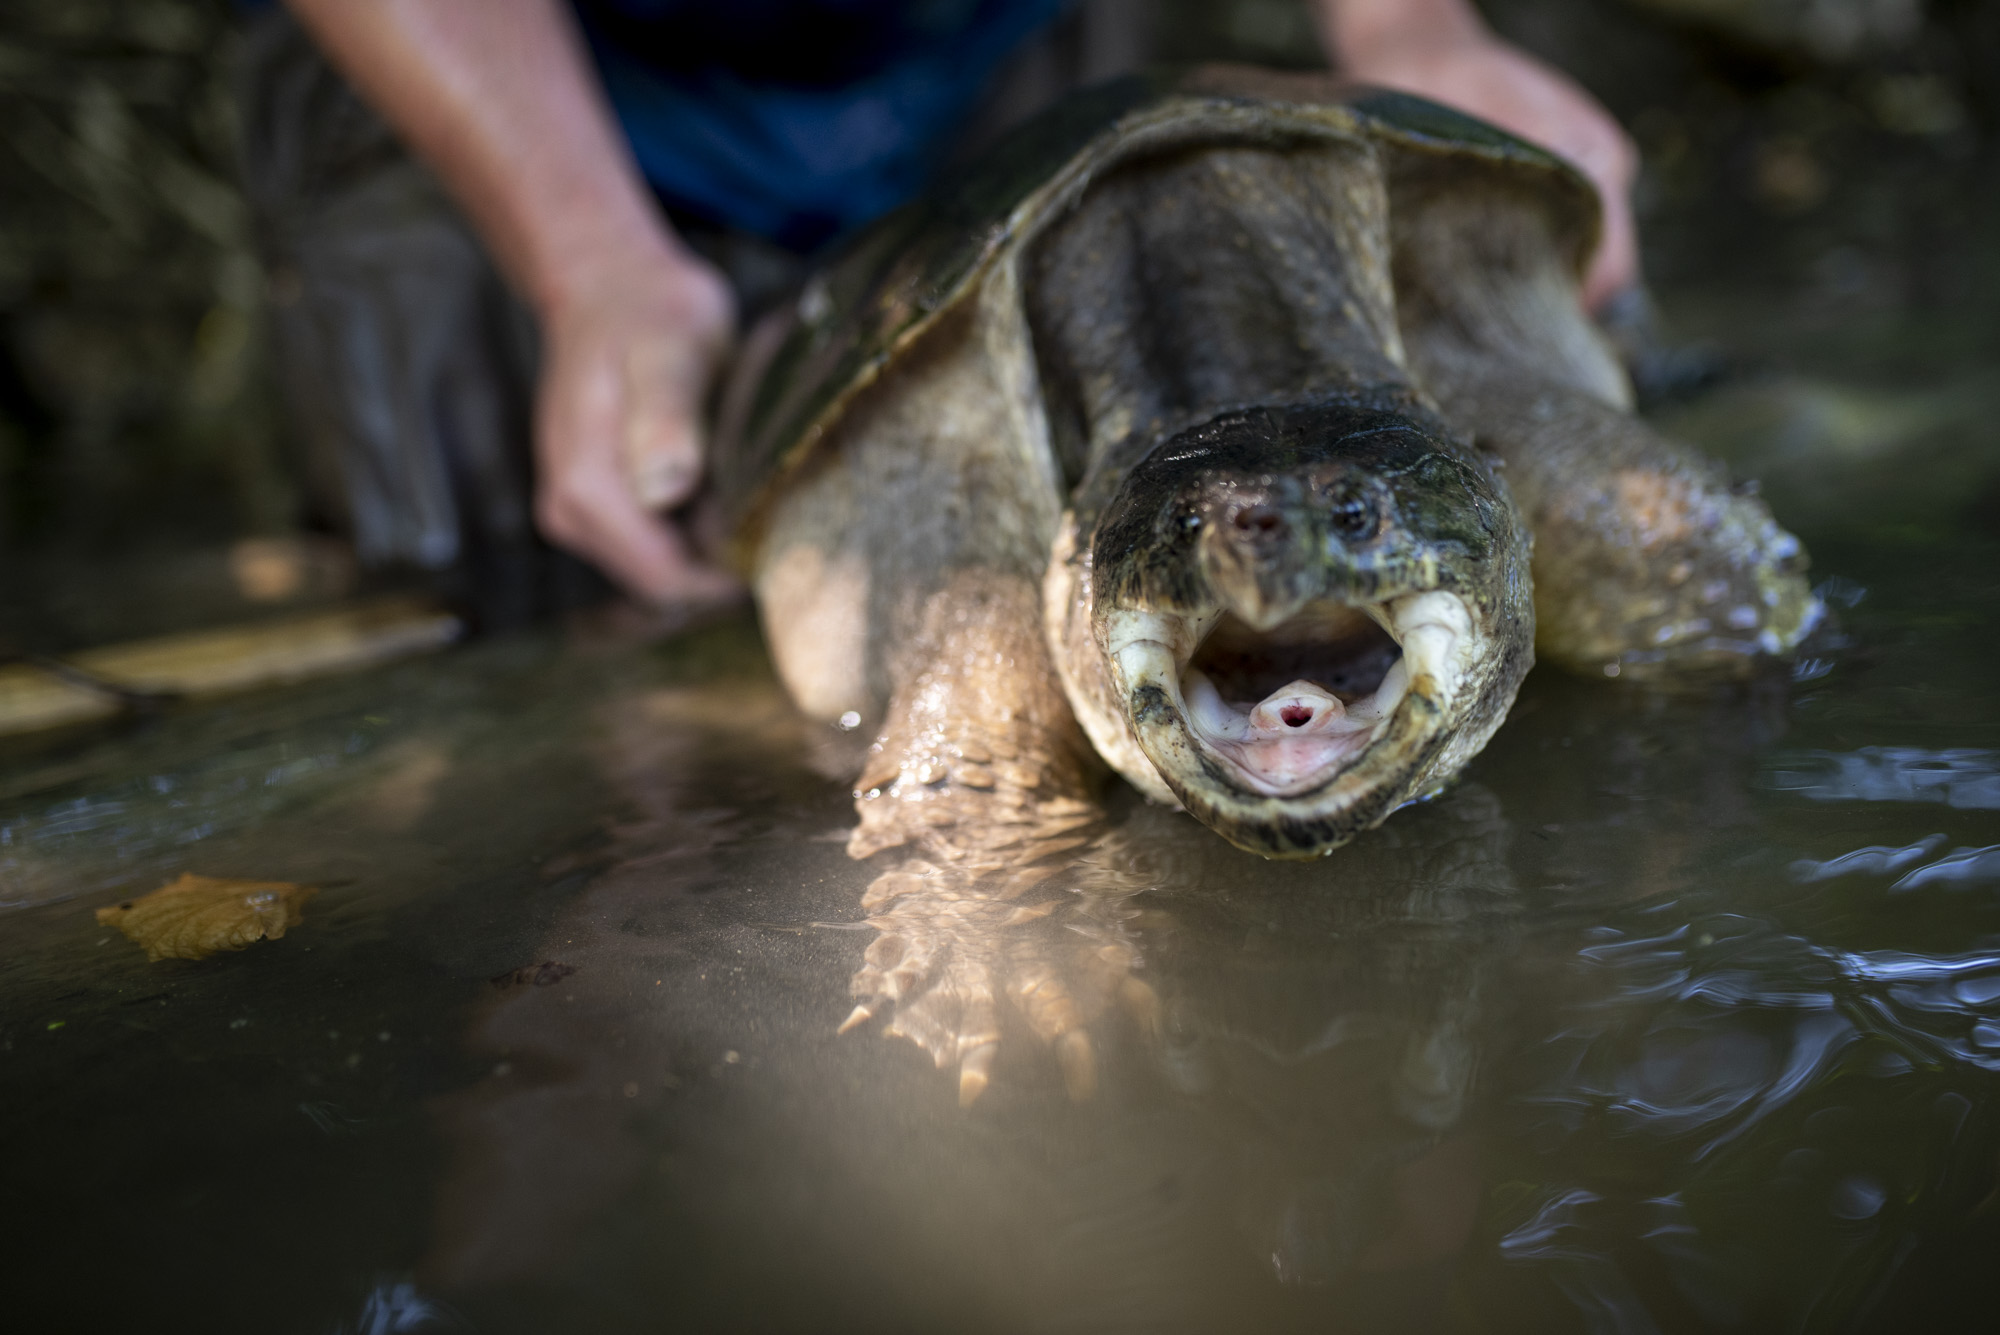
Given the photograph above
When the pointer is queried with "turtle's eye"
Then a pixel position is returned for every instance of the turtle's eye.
(1351, 513)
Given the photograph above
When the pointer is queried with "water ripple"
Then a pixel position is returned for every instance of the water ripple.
(81, 844)
(1750, 1056)
(1963, 777)
(1961, 864)
(1875, 860)
(1716, 1056)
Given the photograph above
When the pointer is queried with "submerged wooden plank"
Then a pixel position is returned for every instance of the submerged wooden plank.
(231, 658)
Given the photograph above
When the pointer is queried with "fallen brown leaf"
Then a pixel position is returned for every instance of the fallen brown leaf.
(199, 915)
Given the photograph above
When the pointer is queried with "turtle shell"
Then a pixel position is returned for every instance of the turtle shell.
(880, 294)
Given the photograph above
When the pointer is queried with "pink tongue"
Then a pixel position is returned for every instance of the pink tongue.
(1299, 707)
(1294, 737)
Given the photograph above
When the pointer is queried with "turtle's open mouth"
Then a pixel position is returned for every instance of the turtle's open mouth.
(1286, 708)
(1284, 711)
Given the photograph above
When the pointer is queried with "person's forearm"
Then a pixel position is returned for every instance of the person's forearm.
(1351, 29)
(498, 96)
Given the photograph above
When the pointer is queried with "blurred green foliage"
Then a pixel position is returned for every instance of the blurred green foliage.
(131, 385)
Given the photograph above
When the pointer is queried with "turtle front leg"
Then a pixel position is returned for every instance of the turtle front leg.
(981, 772)
(980, 762)
(1648, 558)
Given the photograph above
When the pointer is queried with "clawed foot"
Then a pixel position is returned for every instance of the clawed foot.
(960, 952)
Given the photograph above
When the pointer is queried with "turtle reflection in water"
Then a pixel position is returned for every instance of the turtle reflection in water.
(1204, 427)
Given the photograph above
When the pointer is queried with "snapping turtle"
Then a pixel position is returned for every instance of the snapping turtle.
(1205, 425)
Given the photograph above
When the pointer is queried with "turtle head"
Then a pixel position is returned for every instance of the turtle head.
(1308, 615)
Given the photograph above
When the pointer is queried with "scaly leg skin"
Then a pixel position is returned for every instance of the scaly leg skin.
(982, 773)
(980, 759)
(1647, 558)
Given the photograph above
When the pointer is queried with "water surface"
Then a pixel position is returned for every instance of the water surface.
(1680, 1012)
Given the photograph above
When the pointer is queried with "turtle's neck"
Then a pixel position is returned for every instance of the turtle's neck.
(1208, 279)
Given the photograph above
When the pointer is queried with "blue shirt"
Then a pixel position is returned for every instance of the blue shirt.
(798, 119)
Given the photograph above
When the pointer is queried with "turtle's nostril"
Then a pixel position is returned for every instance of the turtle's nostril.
(1296, 716)
(1259, 521)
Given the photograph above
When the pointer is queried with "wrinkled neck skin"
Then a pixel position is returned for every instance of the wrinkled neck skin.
(1285, 598)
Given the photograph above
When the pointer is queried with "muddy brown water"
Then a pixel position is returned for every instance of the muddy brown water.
(1680, 1012)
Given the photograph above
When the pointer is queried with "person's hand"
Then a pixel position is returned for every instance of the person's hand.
(629, 356)
(1466, 67)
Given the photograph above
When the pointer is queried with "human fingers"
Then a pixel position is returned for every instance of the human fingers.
(669, 361)
(662, 436)
(596, 515)
(585, 500)
(1615, 266)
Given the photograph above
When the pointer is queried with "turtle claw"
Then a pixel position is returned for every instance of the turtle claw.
(974, 1073)
(1142, 1003)
(1078, 1059)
